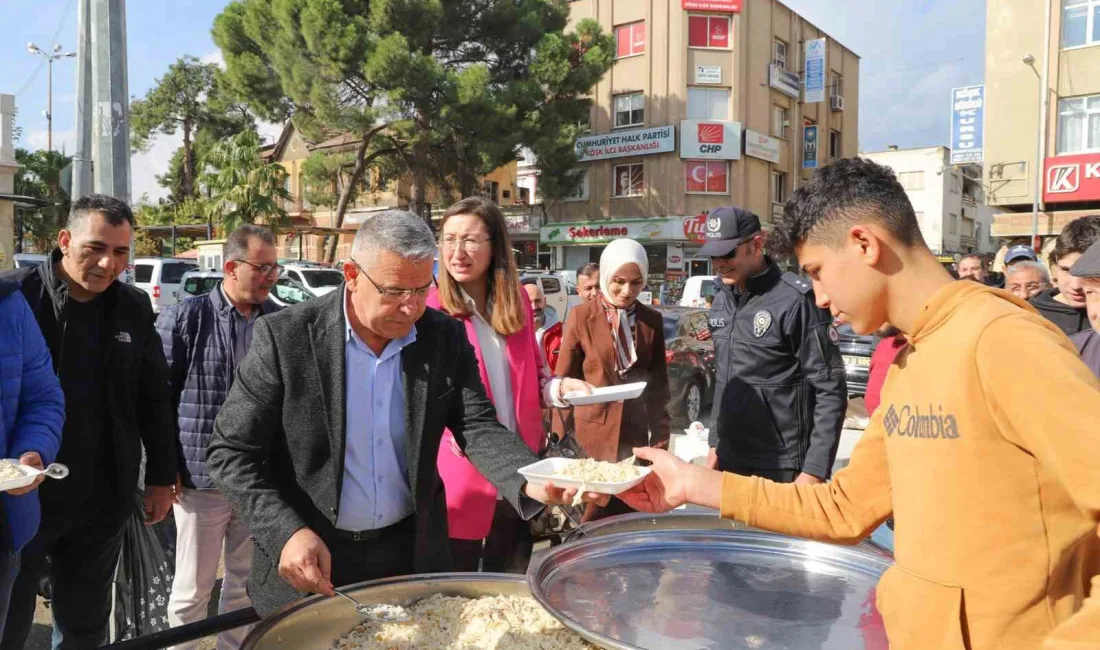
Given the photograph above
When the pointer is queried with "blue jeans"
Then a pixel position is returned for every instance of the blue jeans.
(9, 569)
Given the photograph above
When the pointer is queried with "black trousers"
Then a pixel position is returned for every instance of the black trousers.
(84, 549)
(507, 549)
(388, 555)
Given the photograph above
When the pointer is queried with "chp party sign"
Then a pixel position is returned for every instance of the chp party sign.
(710, 140)
(641, 142)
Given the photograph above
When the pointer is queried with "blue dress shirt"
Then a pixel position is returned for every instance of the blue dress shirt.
(375, 489)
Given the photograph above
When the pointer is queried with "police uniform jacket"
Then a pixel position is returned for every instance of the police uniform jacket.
(780, 397)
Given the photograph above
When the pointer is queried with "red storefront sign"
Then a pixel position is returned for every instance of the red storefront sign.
(695, 228)
(1069, 179)
(725, 6)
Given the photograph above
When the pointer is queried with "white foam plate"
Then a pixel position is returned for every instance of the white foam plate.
(607, 394)
(29, 474)
(547, 470)
(56, 470)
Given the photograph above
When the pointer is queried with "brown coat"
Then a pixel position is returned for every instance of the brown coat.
(609, 431)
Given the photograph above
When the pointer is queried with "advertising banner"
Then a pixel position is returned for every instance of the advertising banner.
(815, 71)
(967, 126)
(809, 147)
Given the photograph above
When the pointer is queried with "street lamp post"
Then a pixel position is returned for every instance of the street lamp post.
(1041, 135)
(51, 56)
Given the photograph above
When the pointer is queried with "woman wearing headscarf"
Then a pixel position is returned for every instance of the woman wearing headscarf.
(479, 285)
(617, 340)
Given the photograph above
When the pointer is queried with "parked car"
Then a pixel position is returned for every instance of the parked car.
(285, 292)
(560, 293)
(696, 290)
(689, 353)
(23, 260)
(856, 351)
(318, 279)
(159, 277)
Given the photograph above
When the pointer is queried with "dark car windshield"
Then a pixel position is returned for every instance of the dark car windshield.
(672, 326)
(323, 278)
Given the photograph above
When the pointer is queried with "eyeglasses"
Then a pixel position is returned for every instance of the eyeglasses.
(469, 244)
(264, 269)
(396, 295)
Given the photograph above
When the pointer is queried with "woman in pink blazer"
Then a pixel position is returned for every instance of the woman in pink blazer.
(479, 285)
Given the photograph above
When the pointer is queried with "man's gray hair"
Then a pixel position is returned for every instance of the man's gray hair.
(1029, 265)
(396, 231)
(236, 244)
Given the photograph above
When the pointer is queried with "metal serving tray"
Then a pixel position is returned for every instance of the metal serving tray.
(703, 589)
(316, 623)
(702, 519)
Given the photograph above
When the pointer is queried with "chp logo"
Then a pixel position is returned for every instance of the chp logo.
(711, 133)
(1072, 178)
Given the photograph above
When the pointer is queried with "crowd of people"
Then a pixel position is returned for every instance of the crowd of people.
(378, 430)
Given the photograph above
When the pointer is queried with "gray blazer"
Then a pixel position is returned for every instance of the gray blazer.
(278, 447)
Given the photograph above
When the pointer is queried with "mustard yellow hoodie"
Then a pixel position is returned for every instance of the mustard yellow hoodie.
(986, 448)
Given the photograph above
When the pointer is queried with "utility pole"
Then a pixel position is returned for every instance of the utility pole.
(51, 56)
(1041, 135)
(110, 99)
(82, 157)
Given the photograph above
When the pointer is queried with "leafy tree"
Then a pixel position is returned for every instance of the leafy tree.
(326, 175)
(188, 98)
(442, 90)
(243, 187)
(40, 177)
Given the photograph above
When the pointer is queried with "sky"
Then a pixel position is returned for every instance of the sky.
(912, 53)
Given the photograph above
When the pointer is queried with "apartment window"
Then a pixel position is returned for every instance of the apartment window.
(834, 144)
(629, 110)
(706, 176)
(911, 181)
(953, 224)
(779, 121)
(630, 39)
(708, 104)
(629, 180)
(954, 183)
(779, 187)
(580, 192)
(1079, 124)
(490, 190)
(1080, 23)
(836, 85)
(709, 31)
(780, 56)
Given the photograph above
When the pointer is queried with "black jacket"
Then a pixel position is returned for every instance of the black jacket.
(1070, 320)
(139, 406)
(279, 440)
(780, 398)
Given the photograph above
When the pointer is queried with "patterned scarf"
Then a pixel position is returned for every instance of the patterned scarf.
(621, 322)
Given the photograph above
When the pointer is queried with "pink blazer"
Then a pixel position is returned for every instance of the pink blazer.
(471, 499)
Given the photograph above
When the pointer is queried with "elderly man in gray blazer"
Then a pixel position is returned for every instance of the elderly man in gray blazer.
(327, 442)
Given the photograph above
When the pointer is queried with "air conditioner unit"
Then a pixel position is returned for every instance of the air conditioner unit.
(836, 103)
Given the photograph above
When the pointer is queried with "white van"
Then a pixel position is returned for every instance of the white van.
(318, 279)
(160, 278)
(696, 290)
(560, 293)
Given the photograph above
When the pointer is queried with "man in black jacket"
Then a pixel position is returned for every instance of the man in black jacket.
(780, 398)
(1064, 305)
(327, 442)
(109, 360)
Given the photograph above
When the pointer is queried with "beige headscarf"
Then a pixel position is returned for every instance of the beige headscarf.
(618, 254)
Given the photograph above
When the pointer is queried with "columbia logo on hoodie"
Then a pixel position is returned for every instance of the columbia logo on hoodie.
(912, 423)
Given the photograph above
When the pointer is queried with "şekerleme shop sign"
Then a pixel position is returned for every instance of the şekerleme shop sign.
(603, 232)
(661, 139)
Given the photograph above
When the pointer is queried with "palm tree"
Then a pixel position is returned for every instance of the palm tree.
(243, 188)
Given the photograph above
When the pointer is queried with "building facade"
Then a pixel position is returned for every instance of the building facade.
(1068, 172)
(709, 103)
(312, 225)
(948, 199)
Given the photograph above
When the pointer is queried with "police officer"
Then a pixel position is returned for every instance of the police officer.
(780, 399)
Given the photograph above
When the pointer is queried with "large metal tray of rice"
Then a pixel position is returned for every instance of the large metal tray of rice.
(711, 589)
(449, 611)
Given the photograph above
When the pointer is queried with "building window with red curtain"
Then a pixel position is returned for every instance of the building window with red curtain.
(710, 32)
(706, 176)
(630, 39)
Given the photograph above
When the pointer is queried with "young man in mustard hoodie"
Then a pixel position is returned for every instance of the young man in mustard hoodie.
(992, 474)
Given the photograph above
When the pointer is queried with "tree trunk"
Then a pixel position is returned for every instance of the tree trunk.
(361, 162)
(187, 183)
